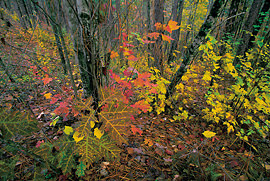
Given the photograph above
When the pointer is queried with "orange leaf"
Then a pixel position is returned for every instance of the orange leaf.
(155, 35)
(46, 80)
(166, 38)
(143, 105)
(114, 54)
(158, 26)
(136, 130)
(172, 26)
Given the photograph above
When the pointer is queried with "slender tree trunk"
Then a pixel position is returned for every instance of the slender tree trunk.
(56, 35)
(248, 28)
(157, 50)
(258, 23)
(187, 58)
(22, 21)
(177, 10)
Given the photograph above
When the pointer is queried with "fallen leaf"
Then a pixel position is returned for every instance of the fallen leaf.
(48, 95)
(169, 152)
(148, 142)
(136, 130)
(209, 134)
(159, 151)
(46, 80)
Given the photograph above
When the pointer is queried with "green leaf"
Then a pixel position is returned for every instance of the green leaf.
(80, 169)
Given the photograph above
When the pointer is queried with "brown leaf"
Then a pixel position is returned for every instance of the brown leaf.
(130, 151)
(158, 151)
(169, 152)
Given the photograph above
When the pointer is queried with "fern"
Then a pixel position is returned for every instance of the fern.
(115, 114)
(15, 122)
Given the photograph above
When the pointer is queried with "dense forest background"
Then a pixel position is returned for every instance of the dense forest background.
(134, 90)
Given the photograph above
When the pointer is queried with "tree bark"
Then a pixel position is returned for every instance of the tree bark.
(83, 21)
(248, 28)
(157, 50)
(177, 9)
(187, 58)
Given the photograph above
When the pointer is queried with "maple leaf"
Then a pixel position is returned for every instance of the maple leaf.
(147, 41)
(136, 130)
(143, 105)
(158, 26)
(62, 109)
(172, 25)
(114, 54)
(154, 34)
(46, 80)
(166, 38)
(54, 100)
(132, 57)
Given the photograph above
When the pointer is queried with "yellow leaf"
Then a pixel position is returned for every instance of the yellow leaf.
(76, 137)
(92, 124)
(267, 167)
(98, 133)
(209, 134)
(148, 142)
(68, 130)
(48, 95)
(53, 123)
(207, 76)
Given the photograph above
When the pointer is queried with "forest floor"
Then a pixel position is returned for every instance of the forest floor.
(159, 149)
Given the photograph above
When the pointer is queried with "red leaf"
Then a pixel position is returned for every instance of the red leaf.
(132, 57)
(62, 109)
(169, 152)
(144, 106)
(147, 41)
(181, 147)
(54, 100)
(136, 130)
(38, 143)
(46, 80)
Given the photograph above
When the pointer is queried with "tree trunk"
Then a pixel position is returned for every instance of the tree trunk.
(177, 9)
(158, 18)
(83, 21)
(258, 23)
(248, 28)
(56, 34)
(187, 58)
